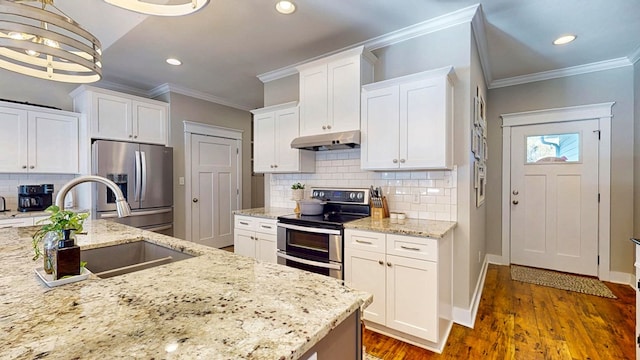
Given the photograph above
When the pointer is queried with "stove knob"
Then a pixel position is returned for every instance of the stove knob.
(360, 196)
(352, 196)
(322, 194)
(315, 194)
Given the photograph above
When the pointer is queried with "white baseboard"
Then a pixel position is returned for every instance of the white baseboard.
(496, 259)
(622, 278)
(467, 317)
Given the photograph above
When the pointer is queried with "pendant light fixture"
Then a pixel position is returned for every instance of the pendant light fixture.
(144, 7)
(41, 41)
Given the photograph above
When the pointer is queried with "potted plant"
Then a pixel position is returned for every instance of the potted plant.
(51, 232)
(297, 191)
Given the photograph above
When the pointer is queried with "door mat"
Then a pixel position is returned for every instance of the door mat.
(554, 279)
(366, 356)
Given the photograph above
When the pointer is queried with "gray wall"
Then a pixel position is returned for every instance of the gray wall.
(18, 87)
(196, 110)
(636, 150)
(604, 86)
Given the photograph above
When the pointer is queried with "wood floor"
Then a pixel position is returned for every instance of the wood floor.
(524, 321)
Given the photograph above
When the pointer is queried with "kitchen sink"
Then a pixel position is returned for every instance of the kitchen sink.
(114, 260)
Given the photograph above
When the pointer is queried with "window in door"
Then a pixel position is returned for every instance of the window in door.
(553, 148)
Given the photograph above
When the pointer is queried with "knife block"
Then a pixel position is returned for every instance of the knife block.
(379, 213)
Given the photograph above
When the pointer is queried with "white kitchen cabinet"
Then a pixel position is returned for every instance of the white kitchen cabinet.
(330, 91)
(255, 237)
(410, 280)
(38, 140)
(22, 221)
(123, 117)
(407, 122)
(274, 128)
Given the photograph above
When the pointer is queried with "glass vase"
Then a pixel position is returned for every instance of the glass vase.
(50, 247)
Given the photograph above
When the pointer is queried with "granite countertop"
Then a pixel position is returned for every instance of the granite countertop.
(217, 305)
(411, 227)
(267, 213)
(14, 214)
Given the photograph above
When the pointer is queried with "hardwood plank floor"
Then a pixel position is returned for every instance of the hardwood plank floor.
(524, 321)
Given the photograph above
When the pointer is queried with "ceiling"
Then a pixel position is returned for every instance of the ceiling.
(225, 46)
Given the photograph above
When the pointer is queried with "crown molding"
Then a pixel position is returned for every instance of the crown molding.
(462, 16)
(480, 37)
(635, 56)
(110, 85)
(166, 87)
(554, 74)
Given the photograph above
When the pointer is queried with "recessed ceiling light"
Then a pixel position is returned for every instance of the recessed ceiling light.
(173, 61)
(285, 7)
(565, 39)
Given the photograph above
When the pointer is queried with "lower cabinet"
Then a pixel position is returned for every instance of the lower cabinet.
(410, 280)
(255, 237)
(22, 221)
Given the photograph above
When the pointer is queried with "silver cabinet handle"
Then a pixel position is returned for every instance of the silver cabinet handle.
(143, 180)
(324, 127)
(515, 202)
(364, 242)
(388, 264)
(380, 262)
(395, 161)
(334, 266)
(402, 161)
(135, 136)
(410, 248)
(275, 166)
(32, 167)
(130, 135)
(24, 166)
(328, 126)
(266, 227)
(244, 223)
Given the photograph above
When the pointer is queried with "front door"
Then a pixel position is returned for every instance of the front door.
(214, 189)
(554, 196)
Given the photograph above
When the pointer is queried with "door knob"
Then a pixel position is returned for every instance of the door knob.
(515, 192)
(380, 262)
(195, 200)
(515, 202)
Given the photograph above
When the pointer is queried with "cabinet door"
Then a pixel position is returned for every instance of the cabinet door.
(313, 101)
(149, 123)
(53, 143)
(111, 117)
(264, 145)
(365, 270)
(380, 129)
(244, 243)
(286, 129)
(423, 125)
(266, 248)
(412, 293)
(343, 78)
(13, 137)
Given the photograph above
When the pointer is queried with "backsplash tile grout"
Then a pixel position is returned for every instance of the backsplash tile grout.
(436, 190)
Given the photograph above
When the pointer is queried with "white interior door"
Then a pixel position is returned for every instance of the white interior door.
(214, 189)
(554, 196)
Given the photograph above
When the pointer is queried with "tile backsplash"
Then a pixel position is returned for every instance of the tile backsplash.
(419, 194)
(9, 185)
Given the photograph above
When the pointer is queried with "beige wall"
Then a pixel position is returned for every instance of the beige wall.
(636, 149)
(190, 109)
(604, 86)
(36, 91)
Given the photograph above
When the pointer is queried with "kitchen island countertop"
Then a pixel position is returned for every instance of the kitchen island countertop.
(410, 227)
(263, 212)
(217, 305)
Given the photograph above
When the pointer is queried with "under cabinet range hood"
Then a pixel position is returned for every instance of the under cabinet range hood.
(332, 141)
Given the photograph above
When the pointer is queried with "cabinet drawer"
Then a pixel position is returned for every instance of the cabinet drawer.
(412, 247)
(245, 222)
(267, 227)
(16, 222)
(365, 240)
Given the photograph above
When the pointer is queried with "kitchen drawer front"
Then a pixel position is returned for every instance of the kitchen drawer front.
(16, 222)
(412, 247)
(245, 222)
(364, 240)
(267, 226)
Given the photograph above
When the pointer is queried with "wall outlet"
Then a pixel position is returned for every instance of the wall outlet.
(479, 256)
(415, 196)
(181, 180)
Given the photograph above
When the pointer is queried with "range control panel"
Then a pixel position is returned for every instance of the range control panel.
(345, 196)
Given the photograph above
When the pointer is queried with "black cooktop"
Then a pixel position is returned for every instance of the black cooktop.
(327, 220)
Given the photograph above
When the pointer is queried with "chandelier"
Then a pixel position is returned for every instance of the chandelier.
(43, 42)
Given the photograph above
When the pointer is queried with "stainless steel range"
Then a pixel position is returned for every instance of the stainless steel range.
(315, 242)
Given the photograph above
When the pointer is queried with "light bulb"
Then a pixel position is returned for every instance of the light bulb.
(51, 43)
(20, 36)
(32, 53)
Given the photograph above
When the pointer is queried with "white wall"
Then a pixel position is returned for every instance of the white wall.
(604, 86)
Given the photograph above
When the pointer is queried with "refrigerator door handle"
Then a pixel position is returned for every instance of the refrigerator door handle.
(143, 191)
(136, 196)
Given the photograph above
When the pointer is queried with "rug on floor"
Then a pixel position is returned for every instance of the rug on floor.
(581, 284)
(366, 356)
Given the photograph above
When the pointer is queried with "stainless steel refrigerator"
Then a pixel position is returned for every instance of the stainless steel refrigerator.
(144, 173)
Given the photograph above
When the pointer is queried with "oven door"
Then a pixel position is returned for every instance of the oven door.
(309, 248)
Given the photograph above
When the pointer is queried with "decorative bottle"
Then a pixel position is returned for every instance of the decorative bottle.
(50, 247)
(68, 257)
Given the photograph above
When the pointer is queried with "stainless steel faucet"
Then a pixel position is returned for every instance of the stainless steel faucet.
(121, 203)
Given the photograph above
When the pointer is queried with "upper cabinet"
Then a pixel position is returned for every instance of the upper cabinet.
(330, 91)
(38, 140)
(117, 116)
(407, 122)
(273, 129)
